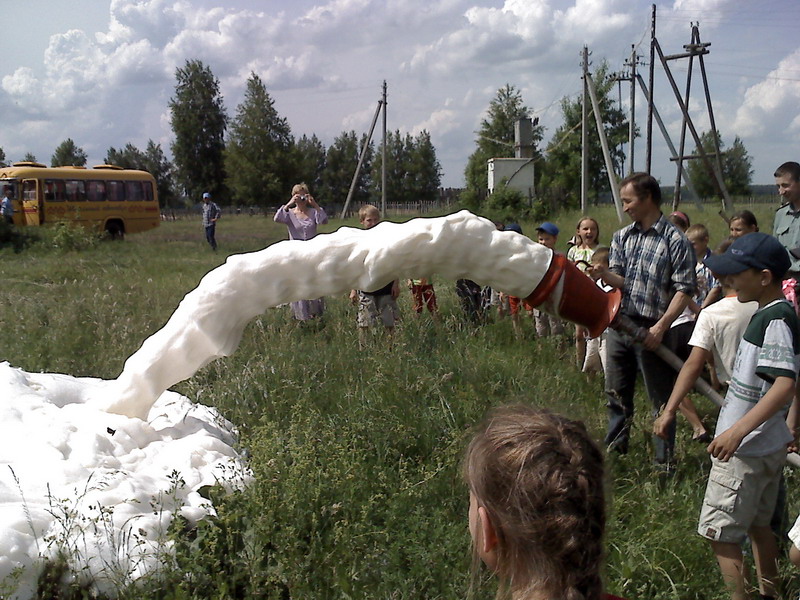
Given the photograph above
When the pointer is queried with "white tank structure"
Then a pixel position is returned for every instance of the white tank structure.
(209, 321)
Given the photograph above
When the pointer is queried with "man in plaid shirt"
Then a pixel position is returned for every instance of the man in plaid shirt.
(653, 264)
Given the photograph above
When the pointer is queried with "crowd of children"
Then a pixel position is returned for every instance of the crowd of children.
(741, 326)
(535, 479)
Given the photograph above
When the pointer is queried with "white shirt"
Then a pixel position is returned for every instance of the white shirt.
(719, 329)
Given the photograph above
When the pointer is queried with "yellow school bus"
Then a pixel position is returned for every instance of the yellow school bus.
(104, 198)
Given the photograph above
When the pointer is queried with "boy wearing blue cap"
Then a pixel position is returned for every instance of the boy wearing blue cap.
(749, 448)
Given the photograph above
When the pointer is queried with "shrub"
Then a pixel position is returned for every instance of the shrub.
(15, 237)
(506, 205)
(66, 237)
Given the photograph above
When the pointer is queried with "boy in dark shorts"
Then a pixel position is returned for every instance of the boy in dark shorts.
(378, 306)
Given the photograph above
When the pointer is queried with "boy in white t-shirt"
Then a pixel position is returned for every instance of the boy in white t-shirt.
(749, 448)
(717, 333)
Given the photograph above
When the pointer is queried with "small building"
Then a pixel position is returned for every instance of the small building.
(517, 173)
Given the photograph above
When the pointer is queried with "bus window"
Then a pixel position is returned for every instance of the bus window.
(55, 190)
(96, 191)
(148, 191)
(115, 191)
(134, 191)
(9, 186)
(75, 190)
(29, 190)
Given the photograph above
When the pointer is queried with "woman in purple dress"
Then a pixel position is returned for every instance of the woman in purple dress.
(301, 215)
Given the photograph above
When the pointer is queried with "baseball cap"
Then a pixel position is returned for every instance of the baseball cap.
(752, 251)
(206, 195)
(513, 227)
(548, 227)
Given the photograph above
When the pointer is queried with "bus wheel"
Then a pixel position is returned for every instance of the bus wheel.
(115, 230)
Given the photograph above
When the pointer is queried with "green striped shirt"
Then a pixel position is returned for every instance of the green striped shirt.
(769, 349)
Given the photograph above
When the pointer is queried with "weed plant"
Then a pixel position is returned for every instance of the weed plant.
(357, 491)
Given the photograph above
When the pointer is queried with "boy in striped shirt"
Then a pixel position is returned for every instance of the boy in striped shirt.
(749, 448)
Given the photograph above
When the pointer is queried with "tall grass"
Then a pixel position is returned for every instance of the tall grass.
(357, 491)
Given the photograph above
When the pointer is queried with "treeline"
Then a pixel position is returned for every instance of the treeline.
(252, 159)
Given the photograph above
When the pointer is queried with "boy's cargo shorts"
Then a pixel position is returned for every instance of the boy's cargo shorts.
(740, 493)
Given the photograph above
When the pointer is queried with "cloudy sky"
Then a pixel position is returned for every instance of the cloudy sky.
(102, 71)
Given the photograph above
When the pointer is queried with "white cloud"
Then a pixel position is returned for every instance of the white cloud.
(592, 20)
(331, 15)
(525, 33)
(702, 6)
(134, 63)
(360, 120)
(155, 20)
(441, 121)
(773, 105)
(74, 69)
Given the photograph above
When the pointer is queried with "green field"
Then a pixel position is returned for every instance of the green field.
(357, 491)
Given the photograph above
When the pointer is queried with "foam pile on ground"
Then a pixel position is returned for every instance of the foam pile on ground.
(97, 487)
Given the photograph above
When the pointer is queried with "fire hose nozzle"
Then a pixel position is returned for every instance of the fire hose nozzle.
(582, 301)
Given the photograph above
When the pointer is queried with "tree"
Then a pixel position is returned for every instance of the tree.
(496, 135)
(398, 167)
(198, 122)
(341, 161)
(157, 164)
(68, 154)
(310, 160)
(561, 172)
(258, 156)
(413, 172)
(129, 157)
(151, 160)
(425, 167)
(737, 168)
(2, 158)
(29, 157)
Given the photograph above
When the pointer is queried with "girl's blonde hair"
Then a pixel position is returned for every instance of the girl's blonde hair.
(596, 226)
(300, 188)
(539, 477)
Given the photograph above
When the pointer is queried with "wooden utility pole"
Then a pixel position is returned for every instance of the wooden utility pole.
(632, 118)
(670, 145)
(363, 155)
(585, 131)
(682, 145)
(714, 168)
(601, 132)
(383, 156)
(726, 204)
(649, 156)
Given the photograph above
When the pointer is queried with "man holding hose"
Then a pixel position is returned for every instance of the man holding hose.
(653, 264)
